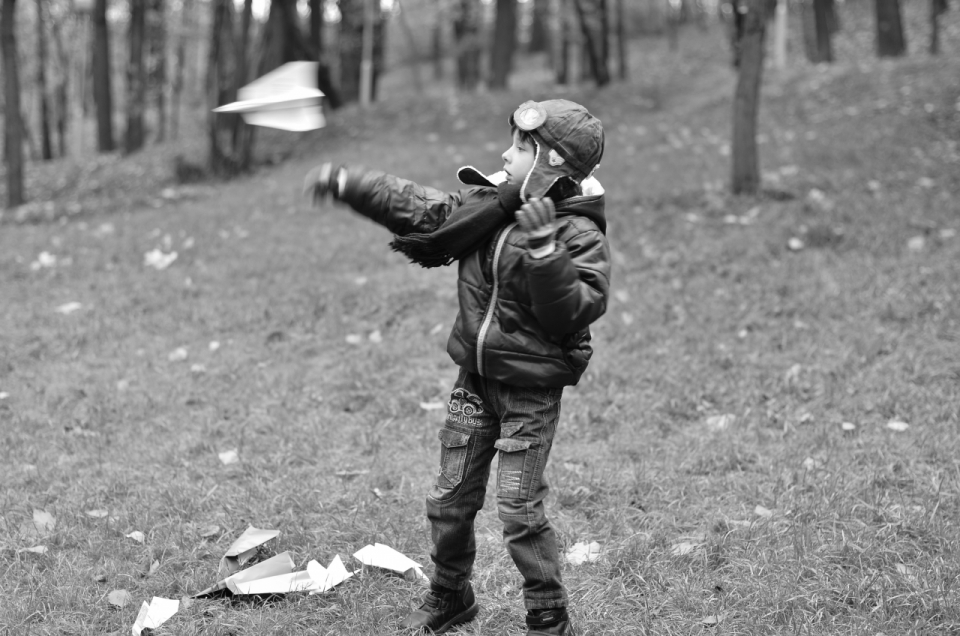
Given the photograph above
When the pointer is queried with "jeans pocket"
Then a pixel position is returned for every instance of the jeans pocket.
(453, 456)
(513, 460)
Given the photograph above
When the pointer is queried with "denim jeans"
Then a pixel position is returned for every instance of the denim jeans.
(485, 417)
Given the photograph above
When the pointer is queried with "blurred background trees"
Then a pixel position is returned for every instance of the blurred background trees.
(75, 70)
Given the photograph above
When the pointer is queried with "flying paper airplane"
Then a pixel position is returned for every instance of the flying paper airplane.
(286, 98)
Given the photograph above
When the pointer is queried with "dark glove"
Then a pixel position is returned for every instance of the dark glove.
(323, 182)
(538, 220)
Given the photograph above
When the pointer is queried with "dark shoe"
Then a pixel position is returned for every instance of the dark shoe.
(443, 609)
(548, 622)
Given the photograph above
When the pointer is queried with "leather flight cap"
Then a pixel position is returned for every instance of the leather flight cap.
(567, 119)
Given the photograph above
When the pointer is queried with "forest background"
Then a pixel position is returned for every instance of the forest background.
(766, 440)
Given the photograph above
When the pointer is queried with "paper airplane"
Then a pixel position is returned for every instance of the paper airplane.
(286, 98)
(382, 556)
(326, 578)
(278, 565)
(154, 614)
(243, 549)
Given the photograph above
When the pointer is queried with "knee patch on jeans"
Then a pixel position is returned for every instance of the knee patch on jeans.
(513, 475)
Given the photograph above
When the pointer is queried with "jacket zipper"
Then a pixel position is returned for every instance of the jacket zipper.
(488, 315)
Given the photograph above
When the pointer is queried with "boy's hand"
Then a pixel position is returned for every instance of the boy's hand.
(538, 220)
(322, 182)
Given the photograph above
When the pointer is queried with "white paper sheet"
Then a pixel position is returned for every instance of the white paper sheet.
(280, 584)
(154, 614)
(287, 99)
(274, 566)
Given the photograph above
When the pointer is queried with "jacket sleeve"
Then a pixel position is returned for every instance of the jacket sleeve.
(569, 288)
(402, 206)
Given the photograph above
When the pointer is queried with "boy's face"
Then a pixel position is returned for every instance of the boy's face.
(518, 159)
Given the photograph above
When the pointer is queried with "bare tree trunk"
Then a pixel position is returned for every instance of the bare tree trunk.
(822, 10)
(221, 86)
(46, 147)
(136, 93)
(62, 109)
(562, 66)
(243, 133)
(316, 27)
(621, 42)
(890, 38)
(101, 77)
(180, 64)
(746, 106)
(504, 43)
(436, 42)
(466, 32)
(156, 67)
(937, 7)
(591, 23)
(539, 27)
(13, 125)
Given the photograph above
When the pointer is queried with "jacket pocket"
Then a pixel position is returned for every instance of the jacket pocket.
(453, 457)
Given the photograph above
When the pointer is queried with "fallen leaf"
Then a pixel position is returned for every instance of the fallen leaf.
(897, 426)
(437, 328)
(37, 549)
(43, 521)
(68, 308)
(622, 295)
(760, 511)
(848, 427)
(153, 568)
(137, 536)
(712, 620)
(795, 244)
(683, 548)
(119, 598)
(159, 260)
(432, 406)
(209, 531)
(350, 474)
(721, 422)
(214, 345)
(627, 318)
(810, 463)
(178, 355)
(96, 514)
(916, 243)
(375, 336)
(582, 553)
(229, 457)
(354, 339)
(4, 395)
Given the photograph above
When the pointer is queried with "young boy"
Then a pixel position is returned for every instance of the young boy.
(533, 275)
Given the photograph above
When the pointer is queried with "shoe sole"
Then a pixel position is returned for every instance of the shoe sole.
(465, 616)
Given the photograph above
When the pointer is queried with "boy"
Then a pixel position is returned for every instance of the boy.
(533, 275)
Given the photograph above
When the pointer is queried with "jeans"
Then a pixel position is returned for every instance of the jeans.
(484, 417)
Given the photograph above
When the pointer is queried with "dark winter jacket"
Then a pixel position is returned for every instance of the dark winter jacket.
(522, 321)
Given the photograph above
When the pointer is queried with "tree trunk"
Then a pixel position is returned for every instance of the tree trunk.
(539, 27)
(156, 67)
(414, 48)
(466, 33)
(136, 84)
(823, 28)
(180, 63)
(243, 133)
(621, 42)
(103, 95)
(937, 7)
(595, 37)
(62, 102)
(504, 44)
(561, 69)
(890, 38)
(746, 106)
(13, 126)
(780, 35)
(221, 87)
(436, 44)
(316, 27)
(46, 147)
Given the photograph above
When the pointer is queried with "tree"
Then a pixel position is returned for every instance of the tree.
(136, 90)
(592, 14)
(818, 30)
(539, 27)
(156, 63)
(937, 8)
(179, 66)
(466, 34)
(63, 85)
(221, 87)
(504, 43)
(45, 144)
(746, 106)
(623, 73)
(102, 92)
(352, 18)
(890, 38)
(13, 125)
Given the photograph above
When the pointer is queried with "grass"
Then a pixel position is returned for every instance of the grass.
(713, 314)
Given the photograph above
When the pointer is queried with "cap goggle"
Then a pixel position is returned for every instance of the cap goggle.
(529, 116)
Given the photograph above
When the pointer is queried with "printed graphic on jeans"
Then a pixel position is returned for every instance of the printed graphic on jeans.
(465, 408)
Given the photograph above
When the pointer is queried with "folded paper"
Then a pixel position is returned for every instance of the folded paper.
(382, 556)
(287, 99)
(326, 578)
(243, 549)
(154, 614)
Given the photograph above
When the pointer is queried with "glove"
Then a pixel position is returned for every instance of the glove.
(323, 182)
(538, 220)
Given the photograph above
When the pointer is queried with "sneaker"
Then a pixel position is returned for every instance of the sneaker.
(548, 622)
(442, 609)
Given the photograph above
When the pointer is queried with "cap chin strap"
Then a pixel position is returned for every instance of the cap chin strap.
(536, 159)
